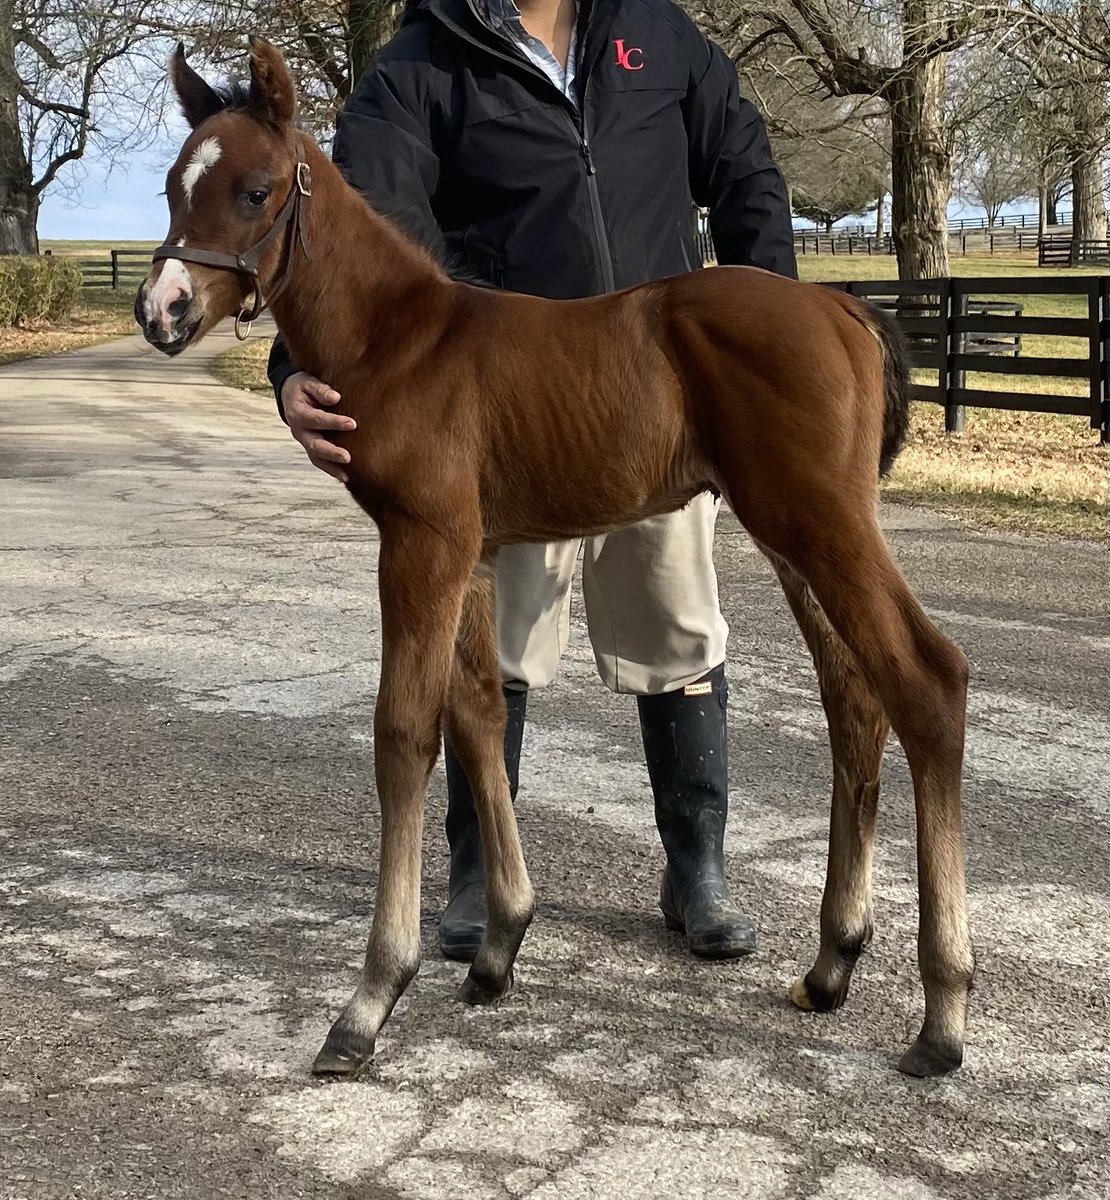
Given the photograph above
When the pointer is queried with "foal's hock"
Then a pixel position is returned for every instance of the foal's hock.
(486, 418)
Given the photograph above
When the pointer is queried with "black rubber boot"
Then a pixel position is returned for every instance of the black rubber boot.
(463, 924)
(686, 747)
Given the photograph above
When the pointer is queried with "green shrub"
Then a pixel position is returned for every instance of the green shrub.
(37, 289)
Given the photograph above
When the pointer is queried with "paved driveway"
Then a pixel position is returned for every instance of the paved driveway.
(188, 660)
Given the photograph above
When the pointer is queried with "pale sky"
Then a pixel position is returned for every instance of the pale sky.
(123, 205)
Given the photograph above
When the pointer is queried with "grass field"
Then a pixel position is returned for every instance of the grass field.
(87, 249)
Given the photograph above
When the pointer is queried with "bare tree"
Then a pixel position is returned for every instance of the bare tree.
(995, 163)
(74, 77)
(1090, 136)
(327, 43)
(1064, 112)
(896, 51)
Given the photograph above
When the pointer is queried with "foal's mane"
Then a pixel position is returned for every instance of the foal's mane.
(235, 94)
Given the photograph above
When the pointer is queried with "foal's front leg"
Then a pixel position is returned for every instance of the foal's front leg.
(421, 577)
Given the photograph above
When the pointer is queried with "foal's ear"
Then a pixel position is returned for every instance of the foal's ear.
(273, 97)
(198, 100)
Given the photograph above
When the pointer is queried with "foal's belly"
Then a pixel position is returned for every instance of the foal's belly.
(559, 500)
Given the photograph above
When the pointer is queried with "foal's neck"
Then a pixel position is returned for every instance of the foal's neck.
(367, 294)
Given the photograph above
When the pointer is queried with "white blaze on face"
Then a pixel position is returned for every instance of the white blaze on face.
(173, 283)
(206, 155)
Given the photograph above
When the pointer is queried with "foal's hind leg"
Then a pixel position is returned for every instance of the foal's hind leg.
(920, 677)
(858, 731)
(475, 725)
(421, 579)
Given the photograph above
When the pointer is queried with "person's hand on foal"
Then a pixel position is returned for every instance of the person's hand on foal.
(305, 401)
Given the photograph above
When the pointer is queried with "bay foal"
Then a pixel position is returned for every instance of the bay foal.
(486, 418)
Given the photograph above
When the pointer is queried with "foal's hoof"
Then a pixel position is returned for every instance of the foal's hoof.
(481, 988)
(929, 1059)
(811, 997)
(344, 1052)
(799, 997)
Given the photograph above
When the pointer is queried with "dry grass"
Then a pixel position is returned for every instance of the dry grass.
(1025, 472)
(244, 366)
(99, 315)
(90, 249)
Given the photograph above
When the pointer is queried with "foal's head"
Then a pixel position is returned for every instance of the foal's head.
(226, 190)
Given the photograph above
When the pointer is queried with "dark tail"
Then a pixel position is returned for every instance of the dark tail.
(896, 387)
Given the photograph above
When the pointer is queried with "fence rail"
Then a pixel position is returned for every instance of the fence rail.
(1017, 221)
(992, 241)
(121, 268)
(943, 318)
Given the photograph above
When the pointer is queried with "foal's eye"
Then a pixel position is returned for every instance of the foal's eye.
(257, 198)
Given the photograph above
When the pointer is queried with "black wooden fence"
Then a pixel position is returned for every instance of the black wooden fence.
(120, 269)
(1055, 251)
(1016, 221)
(1066, 252)
(949, 324)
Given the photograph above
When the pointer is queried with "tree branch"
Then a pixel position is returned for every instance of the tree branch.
(850, 73)
(55, 106)
(27, 38)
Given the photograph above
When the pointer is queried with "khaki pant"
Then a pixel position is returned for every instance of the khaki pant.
(650, 593)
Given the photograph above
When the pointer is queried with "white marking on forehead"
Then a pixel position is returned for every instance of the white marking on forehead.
(206, 155)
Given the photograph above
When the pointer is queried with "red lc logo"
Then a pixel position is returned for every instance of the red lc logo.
(624, 56)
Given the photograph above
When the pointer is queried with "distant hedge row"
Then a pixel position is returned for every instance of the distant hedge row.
(37, 289)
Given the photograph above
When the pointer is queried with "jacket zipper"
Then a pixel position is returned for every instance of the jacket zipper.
(601, 238)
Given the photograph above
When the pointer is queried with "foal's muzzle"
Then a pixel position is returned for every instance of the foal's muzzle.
(168, 324)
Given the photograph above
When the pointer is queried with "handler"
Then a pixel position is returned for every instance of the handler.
(557, 151)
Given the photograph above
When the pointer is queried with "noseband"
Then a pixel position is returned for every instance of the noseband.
(249, 262)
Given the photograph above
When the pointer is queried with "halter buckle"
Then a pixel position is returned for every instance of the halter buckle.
(304, 179)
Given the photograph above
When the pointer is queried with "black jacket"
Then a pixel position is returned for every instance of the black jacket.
(472, 148)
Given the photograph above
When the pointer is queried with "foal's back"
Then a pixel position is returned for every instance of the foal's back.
(632, 403)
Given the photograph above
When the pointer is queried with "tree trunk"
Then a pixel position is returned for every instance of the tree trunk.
(1053, 199)
(879, 214)
(1088, 215)
(19, 212)
(921, 170)
(1043, 201)
(1088, 153)
(370, 24)
(19, 203)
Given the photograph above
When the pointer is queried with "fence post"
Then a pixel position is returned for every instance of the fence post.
(953, 303)
(1100, 359)
(115, 270)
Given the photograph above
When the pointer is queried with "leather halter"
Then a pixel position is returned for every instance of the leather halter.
(249, 262)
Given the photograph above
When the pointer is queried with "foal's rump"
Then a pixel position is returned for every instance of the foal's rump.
(787, 385)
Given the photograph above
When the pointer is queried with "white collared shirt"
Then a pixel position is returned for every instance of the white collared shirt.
(504, 17)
